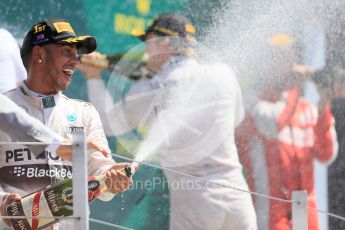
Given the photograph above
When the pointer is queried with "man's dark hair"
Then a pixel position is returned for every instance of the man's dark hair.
(26, 59)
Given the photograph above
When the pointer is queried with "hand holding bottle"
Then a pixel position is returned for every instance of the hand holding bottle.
(91, 65)
(118, 181)
(9, 198)
(89, 70)
(65, 150)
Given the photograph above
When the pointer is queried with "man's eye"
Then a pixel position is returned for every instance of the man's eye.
(65, 51)
(70, 53)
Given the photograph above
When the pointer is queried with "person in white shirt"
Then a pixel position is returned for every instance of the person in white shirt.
(190, 110)
(12, 70)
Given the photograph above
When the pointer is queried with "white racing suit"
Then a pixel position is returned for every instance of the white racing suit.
(23, 127)
(23, 171)
(190, 111)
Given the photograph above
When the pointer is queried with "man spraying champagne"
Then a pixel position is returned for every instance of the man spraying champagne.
(49, 53)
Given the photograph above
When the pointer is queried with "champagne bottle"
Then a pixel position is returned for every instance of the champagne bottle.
(103, 61)
(109, 61)
(52, 201)
(130, 170)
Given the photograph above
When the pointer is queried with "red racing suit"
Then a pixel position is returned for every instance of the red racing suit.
(277, 143)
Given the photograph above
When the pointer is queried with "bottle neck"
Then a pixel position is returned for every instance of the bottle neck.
(102, 61)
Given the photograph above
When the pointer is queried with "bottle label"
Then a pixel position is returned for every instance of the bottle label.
(36, 209)
(32, 205)
(67, 195)
(96, 186)
(36, 205)
(16, 209)
(60, 198)
(93, 188)
(54, 200)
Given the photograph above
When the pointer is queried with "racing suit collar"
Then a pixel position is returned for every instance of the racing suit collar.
(36, 99)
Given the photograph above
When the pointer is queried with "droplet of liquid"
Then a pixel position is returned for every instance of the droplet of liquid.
(122, 202)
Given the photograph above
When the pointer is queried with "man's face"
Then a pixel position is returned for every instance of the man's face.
(61, 61)
(158, 50)
(285, 73)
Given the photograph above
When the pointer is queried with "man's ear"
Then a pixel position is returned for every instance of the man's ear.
(167, 43)
(38, 55)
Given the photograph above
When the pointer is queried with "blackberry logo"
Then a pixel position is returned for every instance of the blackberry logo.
(19, 171)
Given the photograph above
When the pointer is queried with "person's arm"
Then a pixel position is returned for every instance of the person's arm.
(103, 102)
(265, 115)
(22, 127)
(127, 114)
(99, 164)
(271, 116)
(12, 70)
(7, 199)
(19, 125)
(239, 107)
(7, 67)
(326, 144)
(98, 95)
